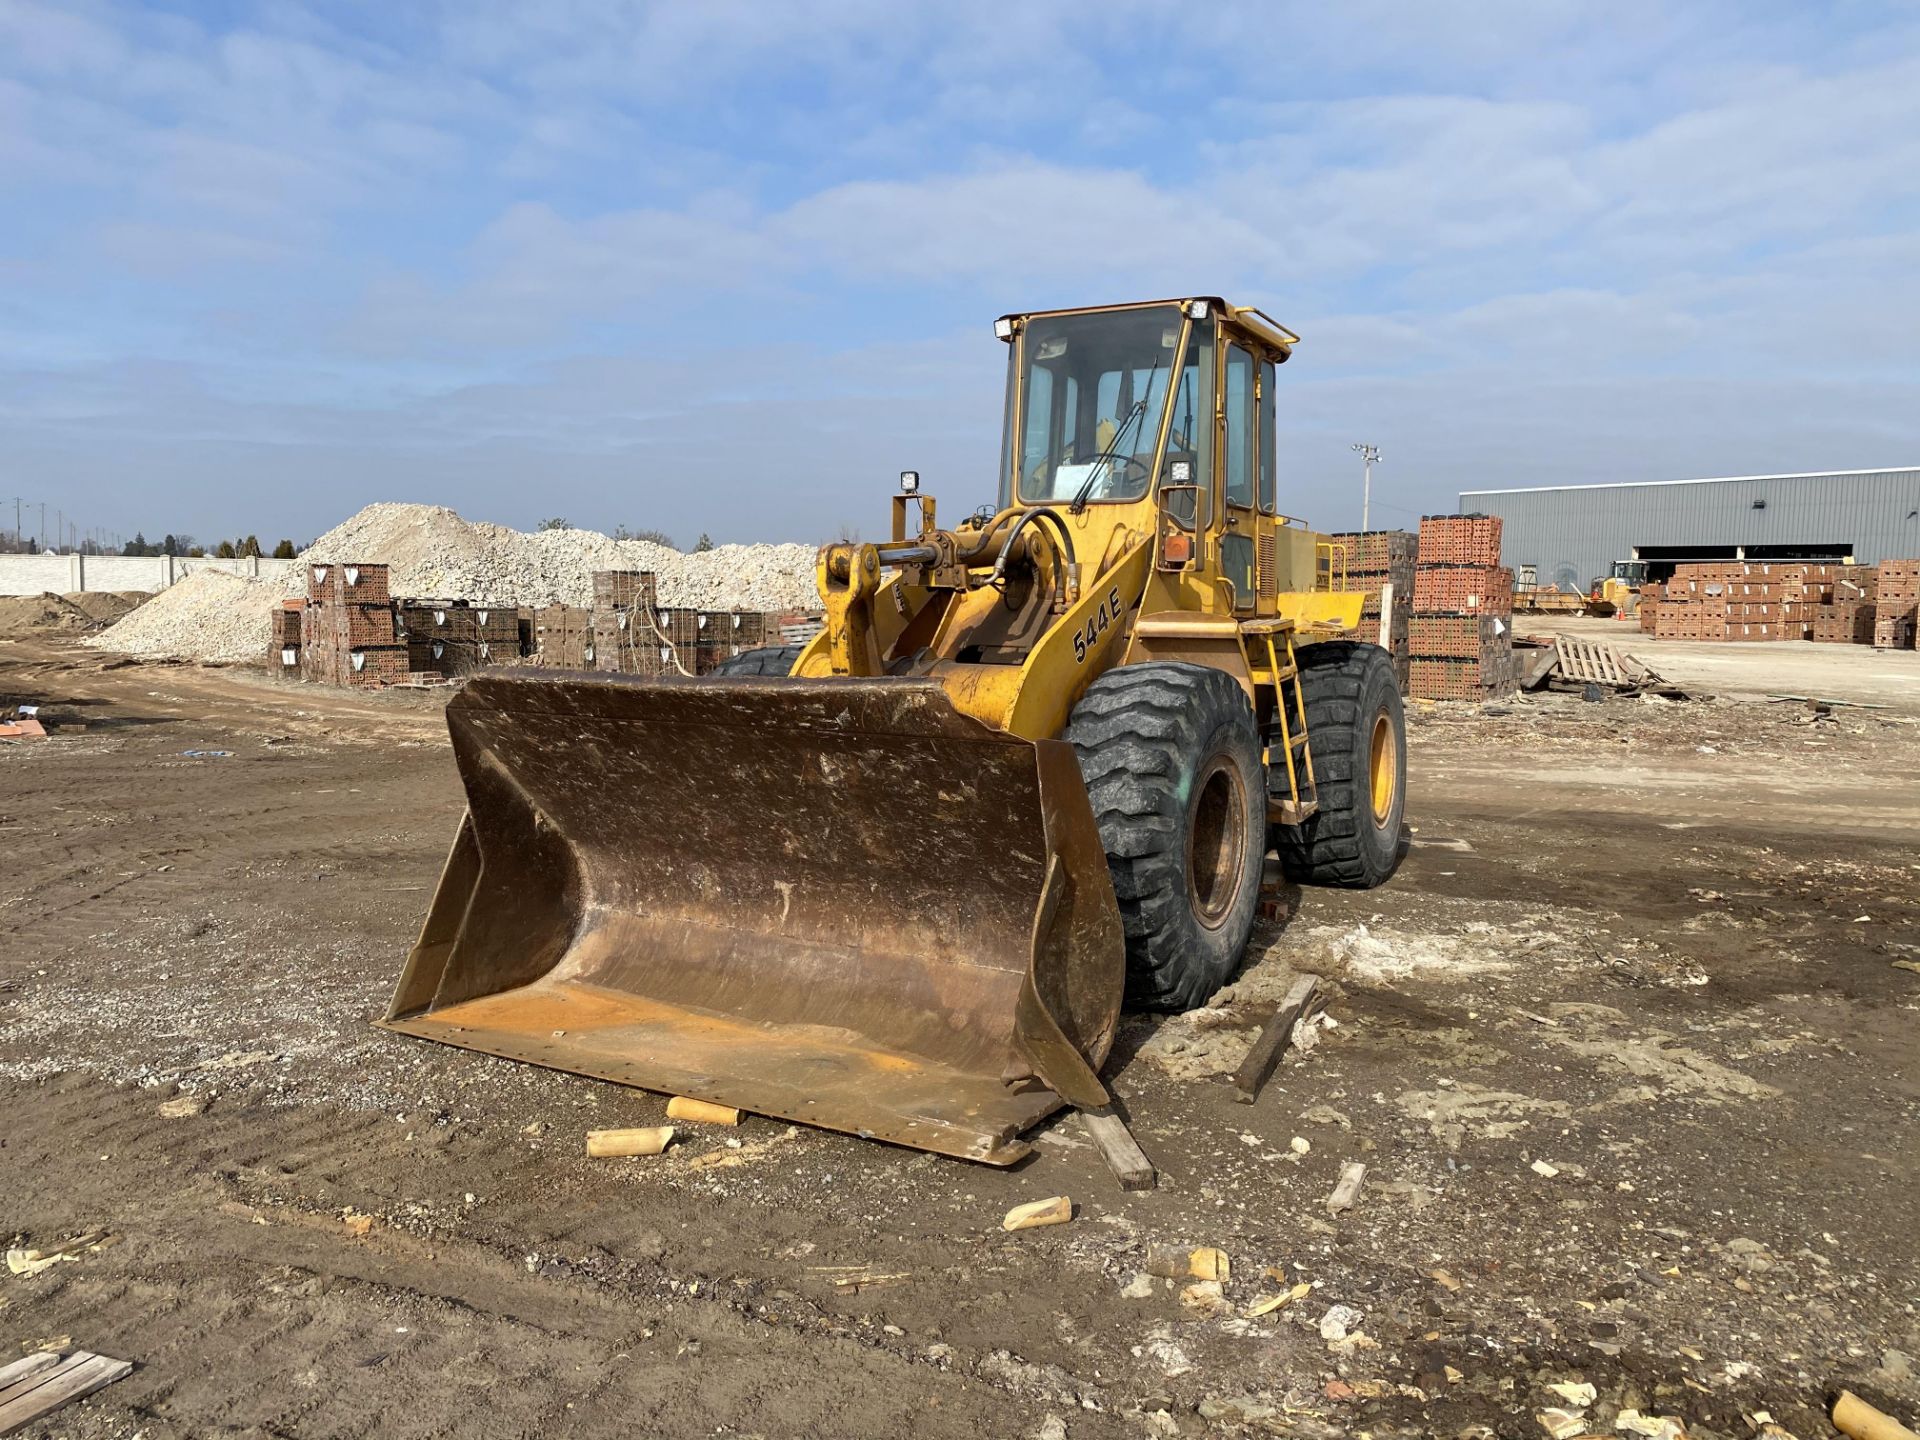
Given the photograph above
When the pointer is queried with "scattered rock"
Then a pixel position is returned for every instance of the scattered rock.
(1338, 1321)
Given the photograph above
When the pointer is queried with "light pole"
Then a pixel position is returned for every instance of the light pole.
(1368, 454)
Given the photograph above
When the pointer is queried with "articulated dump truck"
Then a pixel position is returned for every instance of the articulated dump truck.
(901, 881)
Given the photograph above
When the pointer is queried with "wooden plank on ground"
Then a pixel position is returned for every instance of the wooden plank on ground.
(20, 1370)
(46, 1390)
(1266, 1051)
(1119, 1149)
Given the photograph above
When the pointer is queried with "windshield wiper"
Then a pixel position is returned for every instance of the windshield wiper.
(1105, 457)
(1108, 455)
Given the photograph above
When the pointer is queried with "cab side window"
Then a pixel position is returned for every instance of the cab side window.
(1268, 482)
(1239, 407)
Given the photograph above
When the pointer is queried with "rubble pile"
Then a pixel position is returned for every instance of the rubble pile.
(432, 551)
(82, 610)
(210, 616)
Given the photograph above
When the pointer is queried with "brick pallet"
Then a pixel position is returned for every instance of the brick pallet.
(1743, 600)
(348, 629)
(1898, 582)
(1376, 551)
(1460, 632)
(1431, 678)
(1463, 589)
(1896, 604)
(563, 637)
(624, 590)
(1374, 560)
(1894, 626)
(1460, 637)
(1856, 582)
(341, 584)
(1845, 622)
(630, 642)
(1471, 540)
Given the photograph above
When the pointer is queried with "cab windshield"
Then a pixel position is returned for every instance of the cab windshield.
(1094, 390)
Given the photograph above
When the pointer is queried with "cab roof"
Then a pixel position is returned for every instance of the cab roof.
(1250, 316)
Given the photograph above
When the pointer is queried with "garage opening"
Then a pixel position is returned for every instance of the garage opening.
(1662, 560)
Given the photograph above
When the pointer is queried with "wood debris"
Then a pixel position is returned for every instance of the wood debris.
(40, 1384)
(1056, 1210)
(1119, 1149)
(613, 1144)
(704, 1112)
(1348, 1190)
(1267, 1050)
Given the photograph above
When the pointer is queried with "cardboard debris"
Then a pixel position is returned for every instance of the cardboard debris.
(1576, 1393)
(32, 1262)
(1274, 1302)
(1658, 1427)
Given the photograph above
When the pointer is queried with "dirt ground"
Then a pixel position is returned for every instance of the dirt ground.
(1626, 1049)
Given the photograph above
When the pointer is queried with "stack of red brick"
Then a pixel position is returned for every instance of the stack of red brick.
(1897, 605)
(631, 635)
(1846, 617)
(1375, 559)
(562, 637)
(1787, 600)
(1740, 600)
(1460, 635)
(284, 654)
(623, 628)
(1650, 596)
(452, 637)
(348, 631)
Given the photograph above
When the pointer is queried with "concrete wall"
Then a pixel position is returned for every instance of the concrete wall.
(64, 574)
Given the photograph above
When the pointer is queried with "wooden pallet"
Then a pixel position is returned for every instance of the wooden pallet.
(41, 1384)
(1598, 663)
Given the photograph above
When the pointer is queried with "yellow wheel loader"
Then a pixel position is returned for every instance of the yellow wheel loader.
(900, 882)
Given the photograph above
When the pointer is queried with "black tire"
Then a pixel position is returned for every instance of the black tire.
(1353, 709)
(1171, 757)
(773, 660)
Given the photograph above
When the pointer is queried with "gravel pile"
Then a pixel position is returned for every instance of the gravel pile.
(433, 552)
(210, 616)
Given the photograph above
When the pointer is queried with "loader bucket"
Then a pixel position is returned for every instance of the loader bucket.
(840, 902)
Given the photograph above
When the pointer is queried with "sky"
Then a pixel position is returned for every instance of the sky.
(728, 267)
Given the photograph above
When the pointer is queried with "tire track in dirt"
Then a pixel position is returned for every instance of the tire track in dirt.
(439, 1327)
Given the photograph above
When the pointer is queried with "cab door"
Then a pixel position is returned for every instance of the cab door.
(1238, 402)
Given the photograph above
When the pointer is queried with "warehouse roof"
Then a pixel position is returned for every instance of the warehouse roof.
(1704, 480)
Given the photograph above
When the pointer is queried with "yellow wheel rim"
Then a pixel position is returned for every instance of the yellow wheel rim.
(1383, 767)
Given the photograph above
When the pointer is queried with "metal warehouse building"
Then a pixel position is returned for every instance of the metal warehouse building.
(1572, 534)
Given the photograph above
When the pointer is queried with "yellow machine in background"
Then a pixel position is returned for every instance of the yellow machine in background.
(1618, 592)
(899, 883)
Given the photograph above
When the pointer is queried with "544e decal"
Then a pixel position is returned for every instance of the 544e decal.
(1097, 624)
